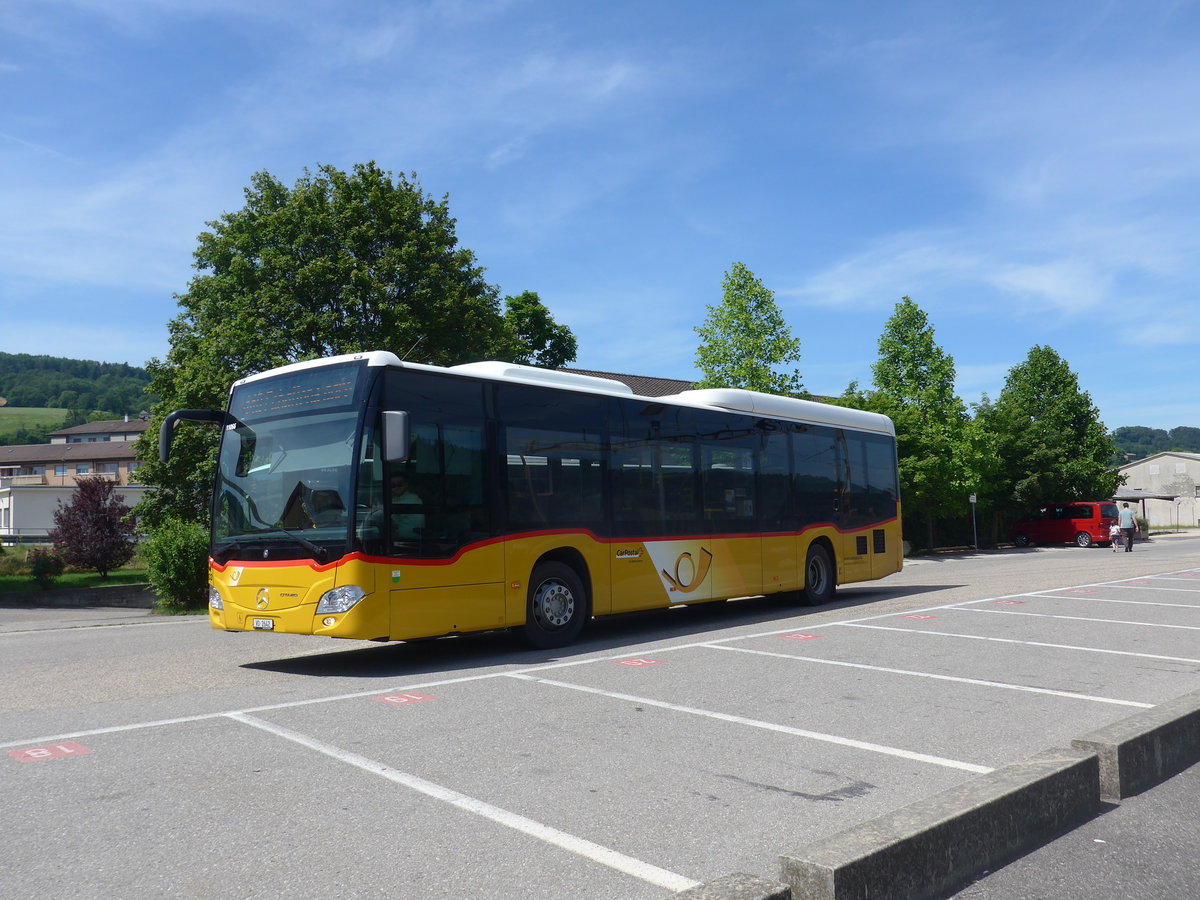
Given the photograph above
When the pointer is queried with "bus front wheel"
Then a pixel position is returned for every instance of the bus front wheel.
(556, 608)
(819, 578)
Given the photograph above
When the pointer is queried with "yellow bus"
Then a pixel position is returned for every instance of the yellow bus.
(368, 498)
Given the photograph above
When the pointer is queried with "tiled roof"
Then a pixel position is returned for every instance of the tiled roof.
(642, 385)
(112, 426)
(42, 454)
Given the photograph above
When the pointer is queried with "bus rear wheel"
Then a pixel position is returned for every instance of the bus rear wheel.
(819, 579)
(556, 608)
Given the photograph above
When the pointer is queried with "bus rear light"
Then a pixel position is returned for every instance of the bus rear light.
(340, 599)
(214, 599)
(329, 621)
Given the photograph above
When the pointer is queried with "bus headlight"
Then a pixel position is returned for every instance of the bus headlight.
(341, 599)
(214, 599)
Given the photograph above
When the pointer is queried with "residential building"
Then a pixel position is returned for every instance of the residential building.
(1165, 485)
(36, 478)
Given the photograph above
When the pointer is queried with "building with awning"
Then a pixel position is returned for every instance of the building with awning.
(1164, 486)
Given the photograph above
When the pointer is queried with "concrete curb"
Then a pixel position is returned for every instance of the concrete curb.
(937, 845)
(940, 843)
(135, 596)
(1146, 748)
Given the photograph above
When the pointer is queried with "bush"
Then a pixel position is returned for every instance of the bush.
(176, 556)
(45, 565)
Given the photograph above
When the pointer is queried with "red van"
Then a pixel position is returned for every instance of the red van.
(1084, 523)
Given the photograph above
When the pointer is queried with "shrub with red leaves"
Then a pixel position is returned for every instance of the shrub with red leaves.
(92, 531)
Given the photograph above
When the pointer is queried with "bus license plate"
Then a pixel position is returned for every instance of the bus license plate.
(264, 624)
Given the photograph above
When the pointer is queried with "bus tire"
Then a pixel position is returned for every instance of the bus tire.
(820, 580)
(556, 607)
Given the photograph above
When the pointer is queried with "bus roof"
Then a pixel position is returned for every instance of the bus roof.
(731, 399)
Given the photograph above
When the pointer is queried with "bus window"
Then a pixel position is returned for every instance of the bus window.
(776, 499)
(727, 467)
(654, 471)
(817, 476)
(444, 503)
(553, 453)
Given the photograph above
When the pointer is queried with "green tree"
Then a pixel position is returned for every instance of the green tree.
(538, 339)
(914, 385)
(1047, 437)
(338, 263)
(744, 340)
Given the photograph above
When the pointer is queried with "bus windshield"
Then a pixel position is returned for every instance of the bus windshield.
(284, 485)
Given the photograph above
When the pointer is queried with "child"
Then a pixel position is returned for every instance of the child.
(1114, 535)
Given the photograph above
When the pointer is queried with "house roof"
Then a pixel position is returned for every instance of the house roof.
(642, 385)
(44, 454)
(1195, 457)
(111, 426)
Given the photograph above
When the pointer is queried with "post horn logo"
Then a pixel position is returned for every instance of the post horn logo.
(698, 571)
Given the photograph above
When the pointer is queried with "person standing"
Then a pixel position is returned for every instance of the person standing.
(1129, 526)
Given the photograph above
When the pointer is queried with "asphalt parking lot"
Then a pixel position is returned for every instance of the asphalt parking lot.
(146, 756)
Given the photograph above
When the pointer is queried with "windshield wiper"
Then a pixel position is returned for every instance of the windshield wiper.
(316, 550)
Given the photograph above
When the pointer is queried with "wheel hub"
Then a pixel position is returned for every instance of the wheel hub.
(554, 604)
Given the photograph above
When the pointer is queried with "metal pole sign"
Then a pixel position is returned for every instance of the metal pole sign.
(974, 529)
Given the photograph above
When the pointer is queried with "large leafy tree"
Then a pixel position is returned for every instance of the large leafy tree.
(1047, 437)
(745, 340)
(914, 385)
(340, 262)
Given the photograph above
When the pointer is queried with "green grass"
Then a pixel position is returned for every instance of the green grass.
(13, 418)
(11, 583)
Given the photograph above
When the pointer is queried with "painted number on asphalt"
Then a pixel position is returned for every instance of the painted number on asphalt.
(800, 637)
(404, 699)
(920, 618)
(638, 663)
(53, 751)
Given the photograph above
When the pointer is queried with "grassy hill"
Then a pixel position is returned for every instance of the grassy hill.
(17, 421)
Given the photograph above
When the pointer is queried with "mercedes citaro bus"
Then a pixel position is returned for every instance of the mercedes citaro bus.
(364, 497)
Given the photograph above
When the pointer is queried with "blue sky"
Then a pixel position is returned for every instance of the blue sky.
(1028, 172)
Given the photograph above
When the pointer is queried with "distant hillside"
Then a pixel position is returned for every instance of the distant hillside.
(30, 425)
(1142, 442)
(69, 391)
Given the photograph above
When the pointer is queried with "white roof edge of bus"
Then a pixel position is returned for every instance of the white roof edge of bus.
(503, 371)
(722, 398)
(373, 358)
(785, 408)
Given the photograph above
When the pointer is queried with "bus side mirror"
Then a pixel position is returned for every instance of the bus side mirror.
(166, 433)
(395, 436)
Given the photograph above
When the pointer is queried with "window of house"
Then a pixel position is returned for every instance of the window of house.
(109, 468)
(83, 468)
(60, 470)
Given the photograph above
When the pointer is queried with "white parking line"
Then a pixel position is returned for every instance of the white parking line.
(1006, 612)
(1089, 599)
(1008, 686)
(769, 726)
(1000, 640)
(577, 845)
(1151, 587)
(91, 625)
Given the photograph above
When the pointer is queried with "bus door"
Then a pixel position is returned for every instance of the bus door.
(445, 573)
(779, 512)
(727, 458)
(855, 563)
